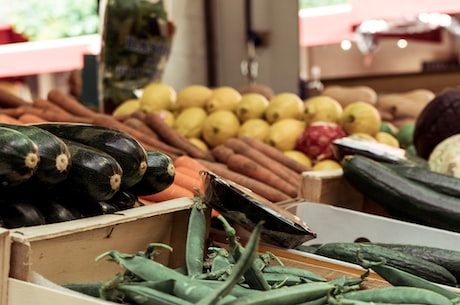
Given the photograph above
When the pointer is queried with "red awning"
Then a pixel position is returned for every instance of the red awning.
(330, 28)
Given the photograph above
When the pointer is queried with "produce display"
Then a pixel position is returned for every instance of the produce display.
(239, 274)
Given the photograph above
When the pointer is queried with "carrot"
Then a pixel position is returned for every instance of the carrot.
(189, 162)
(221, 153)
(140, 126)
(29, 118)
(6, 119)
(15, 112)
(239, 146)
(190, 182)
(174, 191)
(246, 166)
(258, 187)
(56, 116)
(188, 171)
(47, 105)
(9, 100)
(148, 142)
(276, 154)
(171, 137)
(70, 104)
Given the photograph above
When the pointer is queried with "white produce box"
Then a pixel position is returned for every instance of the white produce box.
(332, 224)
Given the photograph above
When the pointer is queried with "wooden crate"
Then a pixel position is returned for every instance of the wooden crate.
(5, 247)
(65, 252)
(330, 187)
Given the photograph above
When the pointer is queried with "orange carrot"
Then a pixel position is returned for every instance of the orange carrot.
(260, 188)
(174, 191)
(6, 119)
(70, 104)
(29, 118)
(248, 167)
(186, 181)
(15, 112)
(239, 146)
(221, 153)
(171, 137)
(9, 100)
(276, 154)
(188, 171)
(189, 162)
(47, 105)
(140, 126)
(51, 115)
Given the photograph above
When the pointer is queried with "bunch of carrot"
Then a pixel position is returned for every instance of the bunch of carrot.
(249, 162)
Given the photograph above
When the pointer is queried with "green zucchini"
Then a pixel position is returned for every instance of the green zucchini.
(449, 259)
(54, 155)
(159, 175)
(18, 158)
(400, 196)
(440, 182)
(348, 252)
(93, 176)
(129, 153)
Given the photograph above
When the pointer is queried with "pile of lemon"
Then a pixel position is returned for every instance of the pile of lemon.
(210, 116)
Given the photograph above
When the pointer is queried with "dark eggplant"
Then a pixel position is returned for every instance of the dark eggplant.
(20, 213)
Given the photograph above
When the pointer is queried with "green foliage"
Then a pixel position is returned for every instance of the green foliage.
(50, 19)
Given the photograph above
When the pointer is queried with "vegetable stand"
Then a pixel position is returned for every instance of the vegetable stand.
(5, 247)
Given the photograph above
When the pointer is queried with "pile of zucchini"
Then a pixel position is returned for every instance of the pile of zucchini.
(54, 172)
(409, 192)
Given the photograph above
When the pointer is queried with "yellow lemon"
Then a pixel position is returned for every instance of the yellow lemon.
(127, 107)
(223, 98)
(299, 156)
(219, 126)
(189, 122)
(386, 138)
(199, 143)
(283, 133)
(360, 136)
(322, 108)
(167, 116)
(193, 96)
(254, 128)
(360, 117)
(251, 106)
(284, 105)
(156, 96)
(326, 165)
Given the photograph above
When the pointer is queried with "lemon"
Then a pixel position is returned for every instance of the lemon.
(223, 98)
(322, 108)
(360, 117)
(199, 143)
(167, 116)
(127, 107)
(360, 136)
(284, 105)
(251, 106)
(156, 96)
(254, 128)
(283, 133)
(326, 165)
(189, 122)
(299, 156)
(386, 138)
(219, 126)
(193, 96)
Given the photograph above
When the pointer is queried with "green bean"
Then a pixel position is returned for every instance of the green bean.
(318, 301)
(277, 280)
(291, 295)
(143, 295)
(236, 291)
(244, 263)
(195, 241)
(397, 277)
(302, 273)
(398, 295)
(253, 276)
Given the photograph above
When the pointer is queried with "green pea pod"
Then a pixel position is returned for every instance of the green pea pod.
(91, 289)
(195, 242)
(398, 295)
(253, 276)
(143, 295)
(291, 295)
(302, 273)
(244, 263)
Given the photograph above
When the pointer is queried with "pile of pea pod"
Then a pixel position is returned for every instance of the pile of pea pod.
(239, 275)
